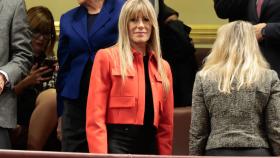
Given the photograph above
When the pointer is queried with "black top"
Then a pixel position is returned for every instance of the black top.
(90, 21)
(84, 85)
(149, 106)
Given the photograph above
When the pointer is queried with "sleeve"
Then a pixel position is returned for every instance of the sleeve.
(5, 75)
(272, 116)
(230, 9)
(98, 94)
(200, 126)
(272, 32)
(20, 46)
(62, 54)
(165, 11)
(165, 127)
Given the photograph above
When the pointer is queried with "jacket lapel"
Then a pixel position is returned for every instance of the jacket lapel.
(103, 17)
(252, 11)
(264, 8)
(79, 23)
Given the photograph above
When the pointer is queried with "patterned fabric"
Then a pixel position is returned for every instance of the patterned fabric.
(246, 118)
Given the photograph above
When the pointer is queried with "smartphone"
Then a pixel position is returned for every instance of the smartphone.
(49, 62)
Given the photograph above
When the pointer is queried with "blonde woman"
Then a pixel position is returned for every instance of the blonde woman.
(130, 100)
(236, 98)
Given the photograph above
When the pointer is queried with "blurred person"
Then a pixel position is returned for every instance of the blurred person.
(178, 49)
(15, 62)
(236, 98)
(83, 31)
(130, 100)
(36, 93)
(264, 15)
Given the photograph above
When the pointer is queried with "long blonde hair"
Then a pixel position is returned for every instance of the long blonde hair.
(134, 8)
(235, 56)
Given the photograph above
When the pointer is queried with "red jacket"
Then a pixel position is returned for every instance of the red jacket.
(112, 100)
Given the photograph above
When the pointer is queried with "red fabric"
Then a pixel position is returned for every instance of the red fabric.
(259, 7)
(116, 101)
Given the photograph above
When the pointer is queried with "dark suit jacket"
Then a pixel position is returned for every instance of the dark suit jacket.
(270, 14)
(178, 50)
(76, 45)
(15, 55)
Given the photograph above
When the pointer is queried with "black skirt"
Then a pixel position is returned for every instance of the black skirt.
(131, 139)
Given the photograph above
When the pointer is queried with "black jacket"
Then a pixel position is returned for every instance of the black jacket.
(178, 50)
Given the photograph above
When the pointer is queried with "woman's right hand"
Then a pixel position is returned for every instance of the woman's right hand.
(35, 76)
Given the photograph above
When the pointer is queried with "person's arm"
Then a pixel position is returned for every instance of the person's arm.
(230, 9)
(166, 13)
(34, 78)
(98, 96)
(20, 46)
(272, 116)
(165, 127)
(200, 126)
(268, 31)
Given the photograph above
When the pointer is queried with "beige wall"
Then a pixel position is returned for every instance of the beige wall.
(199, 14)
(57, 7)
(195, 12)
(192, 12)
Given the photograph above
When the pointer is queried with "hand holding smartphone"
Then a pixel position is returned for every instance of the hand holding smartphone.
(49, 62)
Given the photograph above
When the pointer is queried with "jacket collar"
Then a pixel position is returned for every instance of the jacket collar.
(79, 22)
(104, 16)
(151, 53)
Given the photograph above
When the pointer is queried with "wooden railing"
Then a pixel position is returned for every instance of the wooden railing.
(41, 154)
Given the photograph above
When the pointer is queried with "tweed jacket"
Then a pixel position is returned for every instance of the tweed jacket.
(249, 117)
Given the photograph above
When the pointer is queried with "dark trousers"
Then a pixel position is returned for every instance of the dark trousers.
(238, 152)
(131, 139)
(5, 142)
(73, 126)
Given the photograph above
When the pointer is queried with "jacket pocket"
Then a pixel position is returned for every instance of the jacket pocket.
(122, 110)
(122, 102)
(117, 72)
(126, 87)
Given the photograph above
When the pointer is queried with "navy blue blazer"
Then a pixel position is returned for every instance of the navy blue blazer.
(76, 45)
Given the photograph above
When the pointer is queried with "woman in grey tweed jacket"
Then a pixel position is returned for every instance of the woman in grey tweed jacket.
(236, 98)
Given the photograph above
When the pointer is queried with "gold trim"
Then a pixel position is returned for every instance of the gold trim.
(203, 35)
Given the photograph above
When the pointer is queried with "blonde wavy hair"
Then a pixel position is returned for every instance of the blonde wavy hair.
(132, 9)
(235, 57)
